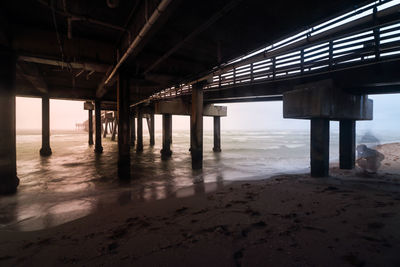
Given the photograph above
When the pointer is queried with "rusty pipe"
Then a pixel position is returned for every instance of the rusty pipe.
(154, 17)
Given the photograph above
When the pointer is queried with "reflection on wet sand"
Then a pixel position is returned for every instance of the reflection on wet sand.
(75, 181)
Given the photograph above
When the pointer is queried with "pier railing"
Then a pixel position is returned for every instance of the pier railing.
(286, 59)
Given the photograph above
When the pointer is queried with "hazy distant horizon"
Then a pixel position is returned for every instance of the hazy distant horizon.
(256, 116)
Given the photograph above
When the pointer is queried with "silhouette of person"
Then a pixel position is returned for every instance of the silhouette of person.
(369, 160)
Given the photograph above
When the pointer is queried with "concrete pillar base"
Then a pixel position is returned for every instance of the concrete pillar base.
(166, 136)
(319, 147)
(197, 159)
(347, 144)
(217, 134)
(9, 184)
(45, 151)
(98, 150)
(139, 148)
(165, 153)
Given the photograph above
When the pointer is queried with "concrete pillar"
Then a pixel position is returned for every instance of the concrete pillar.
(196, 126)
(90, 127)
(217, 134)
(98, 147)
(124, 145)
(139, 136)
(105, 126)
(152, 129)
(114, 129)
(8, 165)
(45, 150)
(133, 129)
(319, 147)
(347, 144)
(166, 135)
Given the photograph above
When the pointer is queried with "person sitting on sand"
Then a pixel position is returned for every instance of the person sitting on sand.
(369, 160)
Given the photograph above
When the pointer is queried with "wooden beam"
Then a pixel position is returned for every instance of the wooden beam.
(88, 66)
(43, 44)
(215, 17)
(127, 44)
(108, 106)
(32, 74)
(78, 17)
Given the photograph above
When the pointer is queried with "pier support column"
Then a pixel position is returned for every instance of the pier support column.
(322, 101)
(98, 147)
(114, 129)
(217, 134)
(8, 165)
(133, 129)
(139, 135)
(151, 129)
(105, 126)
(347, 144)
(90, 127)
(319, 147)
(45, 150)
(124, 146)
(196, 126)
(166, 135)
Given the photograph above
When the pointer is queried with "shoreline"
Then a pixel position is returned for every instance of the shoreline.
(288, 220)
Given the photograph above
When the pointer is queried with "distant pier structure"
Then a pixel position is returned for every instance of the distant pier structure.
(81, 126)
(187, 58)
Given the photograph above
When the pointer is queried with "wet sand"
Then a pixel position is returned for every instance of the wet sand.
(349, 219)
(74, 182)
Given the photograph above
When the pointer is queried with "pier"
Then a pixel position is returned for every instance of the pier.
(322, 72)
(153, 173)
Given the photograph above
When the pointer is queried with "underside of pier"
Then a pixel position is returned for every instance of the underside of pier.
(166, 57)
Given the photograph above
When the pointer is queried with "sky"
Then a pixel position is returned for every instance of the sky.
(244, 116)
(241, 116)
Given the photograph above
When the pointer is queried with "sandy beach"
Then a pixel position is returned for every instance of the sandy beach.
(349, 219)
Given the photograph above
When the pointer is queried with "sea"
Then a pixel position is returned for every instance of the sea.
(74, 181)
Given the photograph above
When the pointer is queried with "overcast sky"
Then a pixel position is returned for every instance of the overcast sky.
(243, 116)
